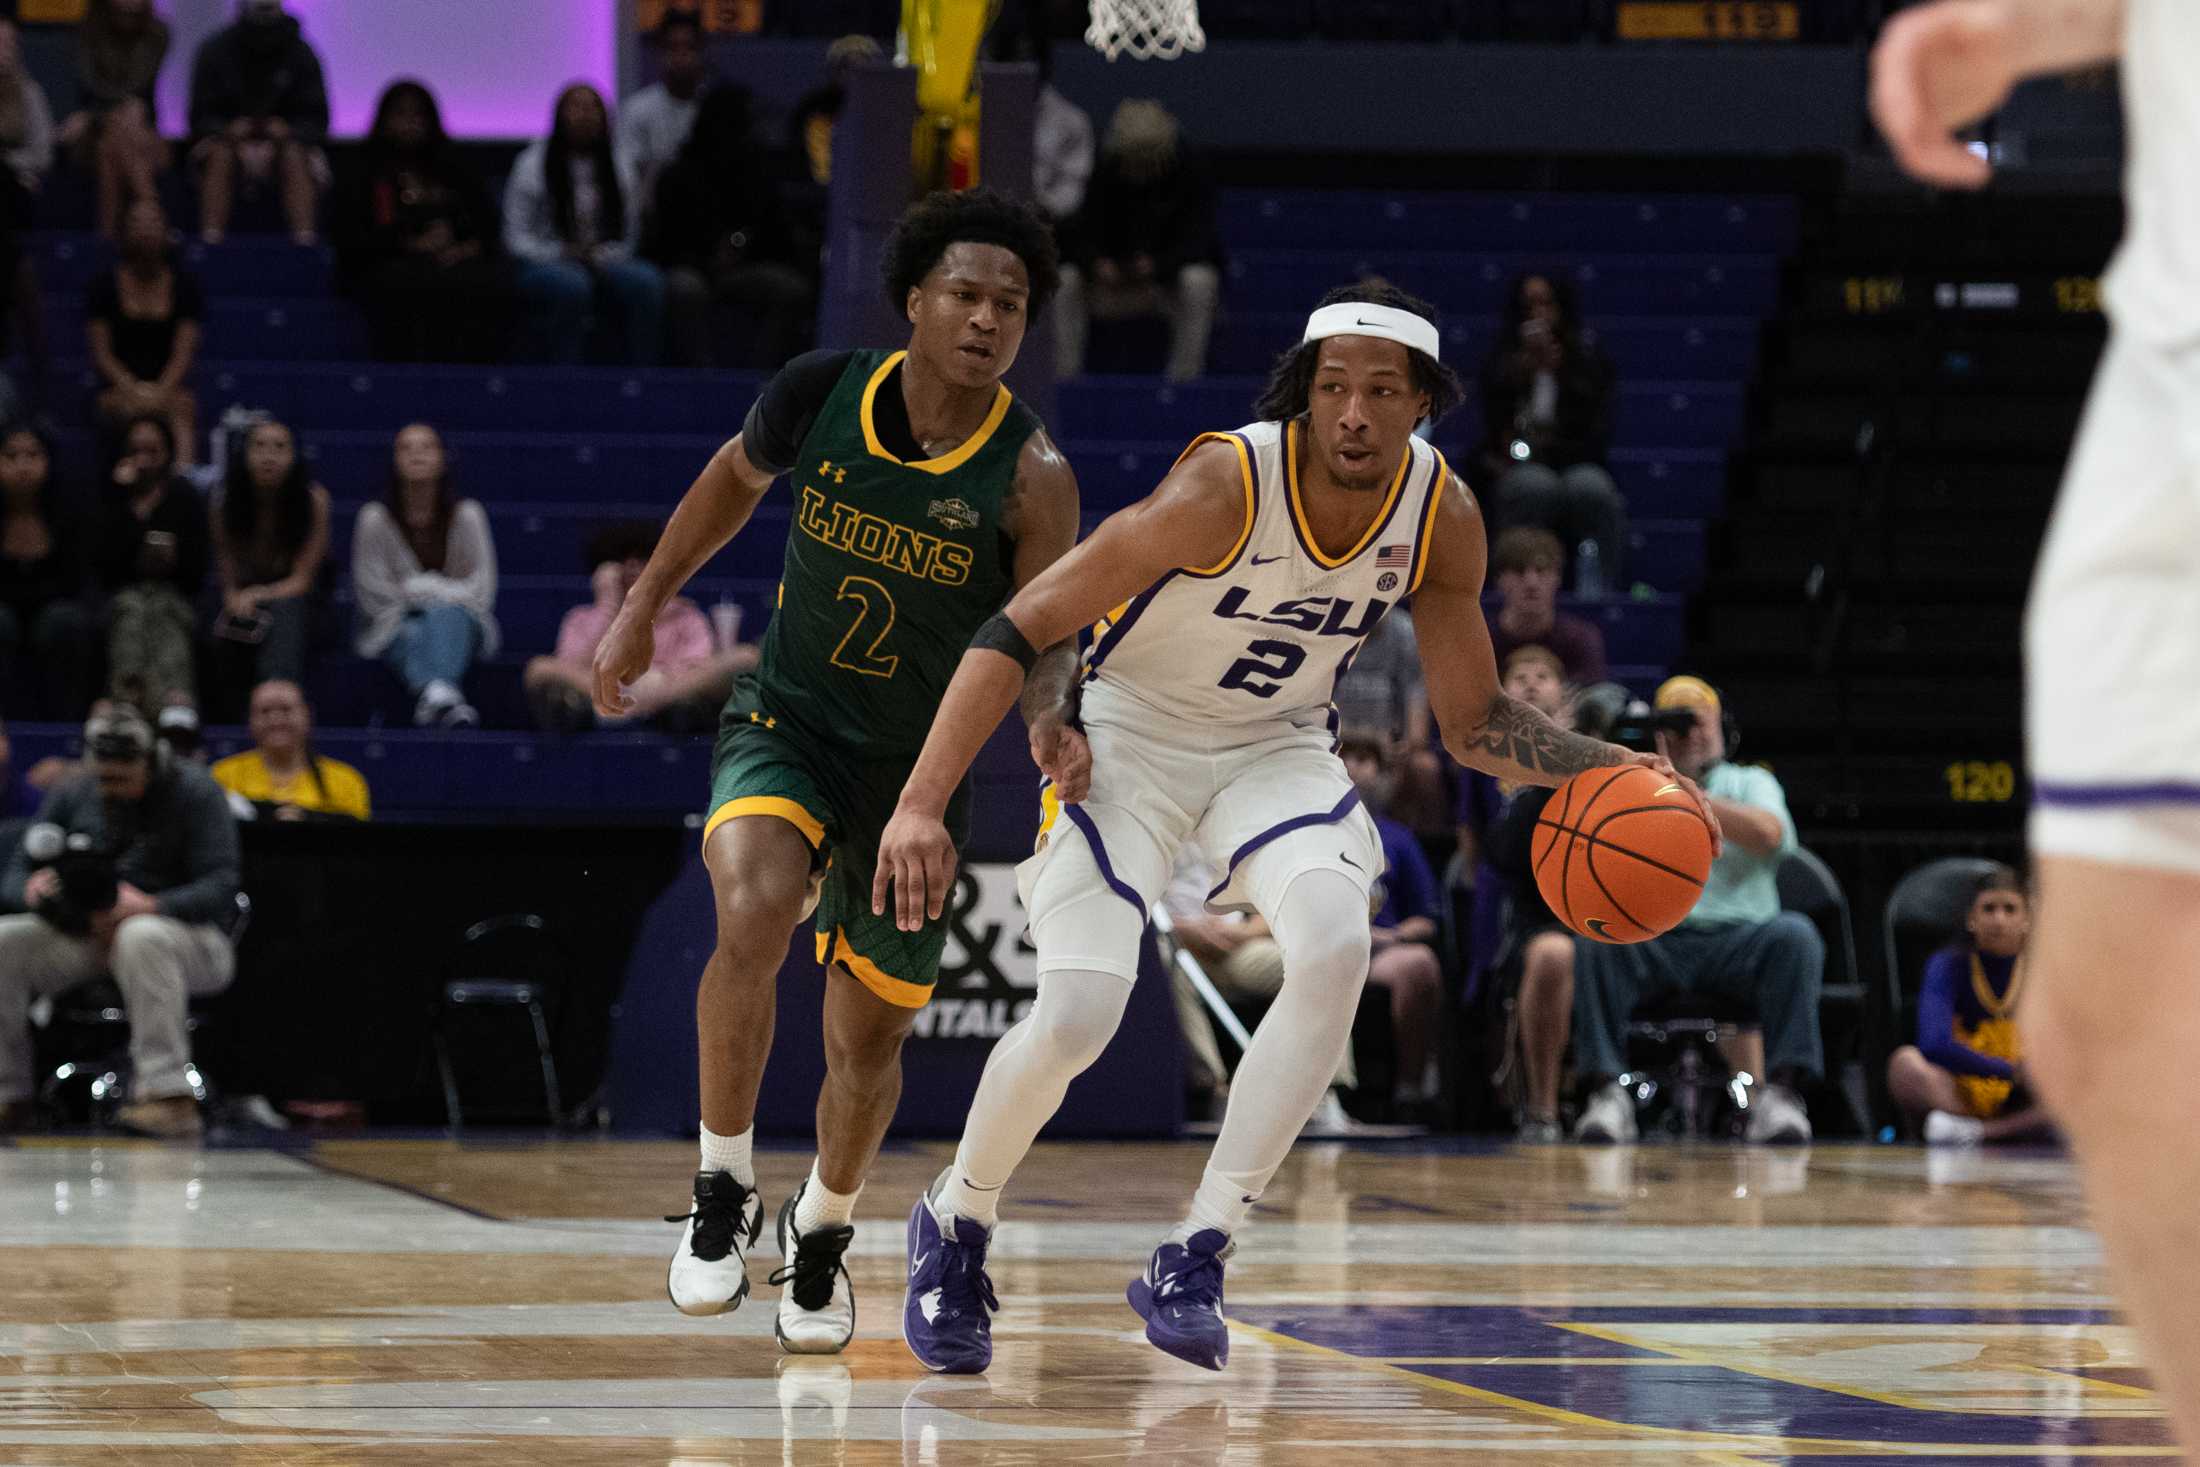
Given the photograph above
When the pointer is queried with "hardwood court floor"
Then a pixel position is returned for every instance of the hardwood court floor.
(422, 1302)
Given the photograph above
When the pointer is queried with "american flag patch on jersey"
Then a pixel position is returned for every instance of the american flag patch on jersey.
(1395, 556)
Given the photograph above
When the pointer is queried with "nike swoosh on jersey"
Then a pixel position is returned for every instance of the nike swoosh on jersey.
(1266, 559)
(1355, 866)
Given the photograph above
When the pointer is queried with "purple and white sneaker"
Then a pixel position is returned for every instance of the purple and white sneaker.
(1180, 1298)
(947, 1318)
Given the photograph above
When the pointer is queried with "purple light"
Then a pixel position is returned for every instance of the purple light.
(495, 65)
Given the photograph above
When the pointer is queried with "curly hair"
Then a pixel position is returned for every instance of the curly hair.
(1291, 383)
(979, 216)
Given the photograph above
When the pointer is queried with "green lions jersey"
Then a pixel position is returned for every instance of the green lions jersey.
(891, 568)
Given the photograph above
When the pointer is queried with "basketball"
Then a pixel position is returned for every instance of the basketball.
(1621, 853)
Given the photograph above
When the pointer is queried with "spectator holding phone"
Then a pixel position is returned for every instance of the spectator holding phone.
(149, 554)
(270, 526)
(1547, 395)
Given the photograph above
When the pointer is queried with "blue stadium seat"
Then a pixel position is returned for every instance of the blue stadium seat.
(300, 329)
(380, 396)
(244, 265)
(1358, 221)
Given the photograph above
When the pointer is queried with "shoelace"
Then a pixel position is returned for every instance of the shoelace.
(817, 1260)
(718, 1221)
(1193, 1282)
(963, 1279)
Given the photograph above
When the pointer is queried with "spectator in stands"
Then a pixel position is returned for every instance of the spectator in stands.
(280, 777)
(1965, 1075)
(1547, 392)
(144, 320)
(721, 236)
(1737, 943)
(1516, 936)
(655, 122)
(121, 47)
(17, 797)
(259, 109)
(424, 581)
(572, 217)
(1381, 693)
(270, 536)
(1241, 958)
(1147, 243)
(43, 621)
(1403, 925)
(26, 146)
(416, 238)
(819, 109)
(1526, 564)
(687, 683)
(149, 555)
(162, 934)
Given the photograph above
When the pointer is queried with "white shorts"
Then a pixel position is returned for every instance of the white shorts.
(1272, 799)
(2112, 635)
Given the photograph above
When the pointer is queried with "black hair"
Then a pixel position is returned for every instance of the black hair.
(677, 20)
(557, 167)
(38, 428)
(978, 216)
(1291, 383)
(293, 498)
(159, 423)
(1563, 295)
(2000, 878)
(621, 540)
(406, 89)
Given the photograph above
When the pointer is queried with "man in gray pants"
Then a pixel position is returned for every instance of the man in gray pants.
(167, 830)
(1736, 944)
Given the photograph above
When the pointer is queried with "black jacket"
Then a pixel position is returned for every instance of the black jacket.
(242, 74)
(178, 844)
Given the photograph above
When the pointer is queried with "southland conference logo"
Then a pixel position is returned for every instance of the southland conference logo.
(955, 514)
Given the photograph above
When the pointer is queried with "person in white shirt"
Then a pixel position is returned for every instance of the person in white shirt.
(572, 219)
(2112, 645)
(656, 120)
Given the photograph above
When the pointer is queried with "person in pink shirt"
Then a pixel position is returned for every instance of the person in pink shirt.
(686, 684)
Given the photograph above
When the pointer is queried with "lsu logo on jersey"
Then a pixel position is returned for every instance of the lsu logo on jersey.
(1324, 616)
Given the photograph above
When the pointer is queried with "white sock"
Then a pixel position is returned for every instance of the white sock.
(821, 1207)
(1222, 1202)
(961, 1197)
(1321, 924)
(730, 1154)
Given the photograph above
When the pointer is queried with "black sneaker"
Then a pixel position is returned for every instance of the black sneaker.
(817, 1309)
(710, 1273)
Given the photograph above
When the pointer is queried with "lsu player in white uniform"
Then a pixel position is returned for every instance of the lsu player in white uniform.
(1225, 607)
(2111, 1021)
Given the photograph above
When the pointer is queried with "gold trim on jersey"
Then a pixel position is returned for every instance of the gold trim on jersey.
(897, 991)
(946, 463)
(778, 806)
(1298, 511)
(1428, 521)
(1252, 504)
(1983, 990)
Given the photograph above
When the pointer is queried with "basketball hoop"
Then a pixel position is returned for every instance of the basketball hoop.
(1146, 30)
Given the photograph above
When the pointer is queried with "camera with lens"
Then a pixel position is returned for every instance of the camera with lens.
(1639, 725)
(87, 875)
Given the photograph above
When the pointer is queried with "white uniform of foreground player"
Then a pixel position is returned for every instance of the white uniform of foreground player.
(2112, 643)
(1225, 608)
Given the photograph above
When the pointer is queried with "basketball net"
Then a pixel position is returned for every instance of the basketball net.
(1145, 30)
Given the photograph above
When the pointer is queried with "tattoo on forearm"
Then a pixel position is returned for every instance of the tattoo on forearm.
(1052, 676)
(1520, 735)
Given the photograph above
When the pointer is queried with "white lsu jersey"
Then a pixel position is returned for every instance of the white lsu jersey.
(2154, 289)
(1265, 634)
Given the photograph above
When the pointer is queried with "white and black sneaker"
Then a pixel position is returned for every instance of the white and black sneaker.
(1609, 1117)
(710, 1273)
(817, 1303)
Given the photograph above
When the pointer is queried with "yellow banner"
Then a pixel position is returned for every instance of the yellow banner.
(1710, 20)
(50, 12)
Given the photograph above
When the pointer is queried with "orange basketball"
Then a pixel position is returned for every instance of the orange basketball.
(1621, 853)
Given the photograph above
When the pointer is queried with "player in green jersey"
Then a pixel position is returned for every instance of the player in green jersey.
(924, 495)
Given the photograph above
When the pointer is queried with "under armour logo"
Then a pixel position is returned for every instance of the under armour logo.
(827, 469)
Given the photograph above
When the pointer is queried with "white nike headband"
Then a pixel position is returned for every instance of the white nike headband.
(1359, 318)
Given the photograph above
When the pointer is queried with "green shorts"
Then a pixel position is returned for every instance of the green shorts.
(840, 802)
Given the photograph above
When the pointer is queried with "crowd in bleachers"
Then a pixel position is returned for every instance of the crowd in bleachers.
(211, 576)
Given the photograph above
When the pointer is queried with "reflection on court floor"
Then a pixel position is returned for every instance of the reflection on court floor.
(428, 1302)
